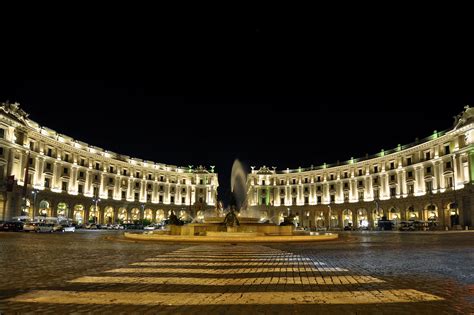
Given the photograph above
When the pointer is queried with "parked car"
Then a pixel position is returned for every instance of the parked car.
(69, 228)
(45, 227)
(31, 226)
(13, 226)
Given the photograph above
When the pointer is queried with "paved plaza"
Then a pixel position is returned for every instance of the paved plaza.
(101, 272)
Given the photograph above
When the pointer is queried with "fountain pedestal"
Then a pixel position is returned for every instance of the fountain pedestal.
(232, 229)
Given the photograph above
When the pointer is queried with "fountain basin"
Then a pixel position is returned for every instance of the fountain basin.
(242, 220)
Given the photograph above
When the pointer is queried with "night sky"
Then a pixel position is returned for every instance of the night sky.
(135, 119)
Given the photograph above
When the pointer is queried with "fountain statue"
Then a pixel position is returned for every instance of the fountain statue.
(173, 219)
(231, 219)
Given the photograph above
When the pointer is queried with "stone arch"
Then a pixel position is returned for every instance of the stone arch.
(135, 214)
(122, 214)
(362, 218)
(431, 213)
(109, 215)
(148, 214)
(44, 208)
(94, 214)
(78, 214)
(62, 209)
(412, 214)
(26, 208)
(347, 218)
(319, 220)
(377, 215)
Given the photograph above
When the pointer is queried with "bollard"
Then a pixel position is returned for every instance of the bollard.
(446, 228)
(467, 228)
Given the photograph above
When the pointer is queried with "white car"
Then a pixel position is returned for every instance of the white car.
(150, 227)
(69, 228)
(31, 227)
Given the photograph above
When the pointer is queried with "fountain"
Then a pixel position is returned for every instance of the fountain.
(237, 224)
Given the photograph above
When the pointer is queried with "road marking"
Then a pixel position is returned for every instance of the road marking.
(275, 298)
(218, 264)
(220, 281)
(224, 271)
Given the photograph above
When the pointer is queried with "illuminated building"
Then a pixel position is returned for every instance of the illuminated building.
(430, 180)
(70, 178)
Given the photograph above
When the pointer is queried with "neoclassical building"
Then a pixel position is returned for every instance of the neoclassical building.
(70, 178)
(429, 180)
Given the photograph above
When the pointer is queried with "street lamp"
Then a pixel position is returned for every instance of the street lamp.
(95, 200)
(329, 217)
(34, 192)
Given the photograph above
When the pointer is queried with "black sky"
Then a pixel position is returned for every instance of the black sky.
(135, 119)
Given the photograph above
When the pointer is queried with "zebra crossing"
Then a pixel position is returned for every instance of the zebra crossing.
(227, 275)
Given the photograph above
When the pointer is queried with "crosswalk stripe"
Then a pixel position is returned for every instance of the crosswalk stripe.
(224, 271)
(219, 281)
(231, 259)
(218, 264)
(239, 298)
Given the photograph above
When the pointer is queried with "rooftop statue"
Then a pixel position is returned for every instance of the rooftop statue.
(464, 117)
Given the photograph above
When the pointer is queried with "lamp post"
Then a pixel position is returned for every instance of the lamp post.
(95, 200)
(329, 223)
(34, 192)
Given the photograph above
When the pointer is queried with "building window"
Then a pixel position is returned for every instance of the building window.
(50, 152)
(346, 185)
(80, 189)
(263, 201)
(125, 172)
(201, 200)
(331, 187)
(64, 186)
(360, 172)
(83, 162)
(96, 191)
(136, 196)
(294, 181)
(2, 133)
(124, 194)
(148, 186)
(410, 174)
(263, 182)
(148, 198)
(282, 201)
(294, 201)
(409, 161)
(428, 169)
(376, 169)
(137, 174)
(149, 177)
(161, 188)
(345, 174)
(161, 179)
(183, 181)
(319, 178)
(201, 182)
(427, 155)
(319, 199)
(97, 166)
(111, 169)
(32, 145)
(392, 191)
(282, 182)
(361, 195)
(332, 176)
(306, 200)
(46, 182)
(392, 165)
(66, 157)
(376, 194)
(81, 174)
(392, 178)
(172, 199)
(1, 151)
(428, 186)
(65, 170)
(446, 149)
(160, 199)
(30, 161)
(183, 191)
(48, 166)
(376, 180)
(306, 189)
(293, 191)
(183, 200)
(318, 188)
(333, 198)
(360, 183)
(96, 177)
(111, 180)
(450, 182)
(448, 164)
(306, 180)
(111, 193)
(410, 189)
(137, 184)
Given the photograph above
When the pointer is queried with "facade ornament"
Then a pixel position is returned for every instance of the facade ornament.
(264, 170)
(201, 169)
(464, 117)
(14, 110)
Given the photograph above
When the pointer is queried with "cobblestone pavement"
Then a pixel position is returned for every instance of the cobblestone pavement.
(101, 272)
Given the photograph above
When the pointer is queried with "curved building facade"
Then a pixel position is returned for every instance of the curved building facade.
(430, 180)
(70, 178)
